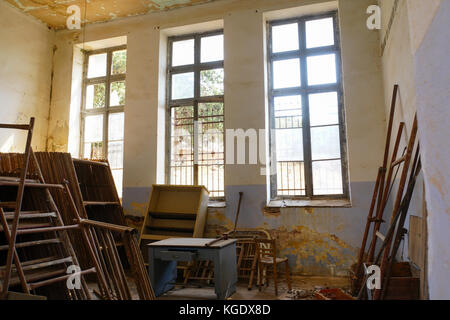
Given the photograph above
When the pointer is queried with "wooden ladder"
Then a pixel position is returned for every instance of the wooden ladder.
(43, 223)
(399, 212)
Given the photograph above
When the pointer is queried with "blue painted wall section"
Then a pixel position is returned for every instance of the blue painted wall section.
(318, 241)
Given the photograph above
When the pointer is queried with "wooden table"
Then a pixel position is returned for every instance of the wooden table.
(164, 255)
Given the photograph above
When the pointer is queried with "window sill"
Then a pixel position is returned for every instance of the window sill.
(325, 203)
(217, 204)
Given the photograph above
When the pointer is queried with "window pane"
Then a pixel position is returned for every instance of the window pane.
(118, 180)
(183, 86)
(212, 48)
(115, 154)
(93, 137)
(211, 148)
(323, 109)
(119, 62)
(289, 145)
(286, 73)
(95, 96)
(93, 128)
(183, 53)
(93, 150)
(319, 33)
(97, 65)
(116, 126)
(290, 179)
(285, 38)
(321, 69)
(211, 82)
(288, 112)
(182, 145)
(117, 95)
(325, 143)
(327, 177)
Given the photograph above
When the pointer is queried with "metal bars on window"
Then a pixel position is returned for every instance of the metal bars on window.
(196, 112)
(103, 104)
(307, 109)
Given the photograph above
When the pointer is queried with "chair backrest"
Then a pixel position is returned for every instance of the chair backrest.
(266, 248)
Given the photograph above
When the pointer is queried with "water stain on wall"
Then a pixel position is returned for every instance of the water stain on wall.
(54, 12)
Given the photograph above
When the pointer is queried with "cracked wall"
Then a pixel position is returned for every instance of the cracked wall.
(25, 77)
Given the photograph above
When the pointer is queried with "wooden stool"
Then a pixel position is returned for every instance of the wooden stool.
(267, 258)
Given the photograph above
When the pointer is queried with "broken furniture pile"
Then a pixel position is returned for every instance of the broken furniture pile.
(46, 229)
(397, 282)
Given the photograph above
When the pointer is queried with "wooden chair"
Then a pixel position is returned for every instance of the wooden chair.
(268, 261)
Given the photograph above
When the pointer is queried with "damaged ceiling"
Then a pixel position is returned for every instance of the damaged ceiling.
(54, 12)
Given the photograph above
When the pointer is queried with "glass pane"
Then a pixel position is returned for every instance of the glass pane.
(319, 33)
(291, 179)
(212, 48)
(97, 65)
(323, 109)
(116, 126)
(288, 112)
(322, 69)
(211, 148)
(93, 128)
(183, 53)
(95, 96)
(182, 145)
(327, 177)
(93, 150)
(285, 38)
(115, 154)
(286, 73)
(183, 86)
(93, 137)
(325, 143)
(117, 95)
(118, 180)
(289, 144)
(211, 82)
(119, 62)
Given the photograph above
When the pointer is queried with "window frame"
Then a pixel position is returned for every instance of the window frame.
(106, 110)
(197, 99)
(304, 90)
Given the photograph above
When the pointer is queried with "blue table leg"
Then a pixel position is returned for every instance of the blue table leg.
(225, 272)
(162, 274)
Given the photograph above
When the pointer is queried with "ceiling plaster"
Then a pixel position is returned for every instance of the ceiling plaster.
(54, 12)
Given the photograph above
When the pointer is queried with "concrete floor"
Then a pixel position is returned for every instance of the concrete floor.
(202, 291)
(205, 292)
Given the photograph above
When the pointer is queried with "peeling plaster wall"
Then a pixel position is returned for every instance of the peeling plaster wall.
(432, 74)
(416, 57)
(25, 77)
(317, 241)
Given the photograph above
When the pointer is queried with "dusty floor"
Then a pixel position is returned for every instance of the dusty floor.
(306, 285)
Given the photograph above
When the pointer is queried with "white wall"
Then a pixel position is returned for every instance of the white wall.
(26, 52)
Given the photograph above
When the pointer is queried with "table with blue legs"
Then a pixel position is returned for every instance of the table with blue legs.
(164, 255)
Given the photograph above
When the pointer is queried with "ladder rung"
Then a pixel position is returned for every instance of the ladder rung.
(38, 276)
(49, 229)
(30, 262)
(380, 235)
(9, 204)
(32, 185)
(36, 285)
(17, 179)
(100, 203)
(15, 126)
(47, 264)
(399, 161)
(31, 244)
(30, 215)
(28, 226)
